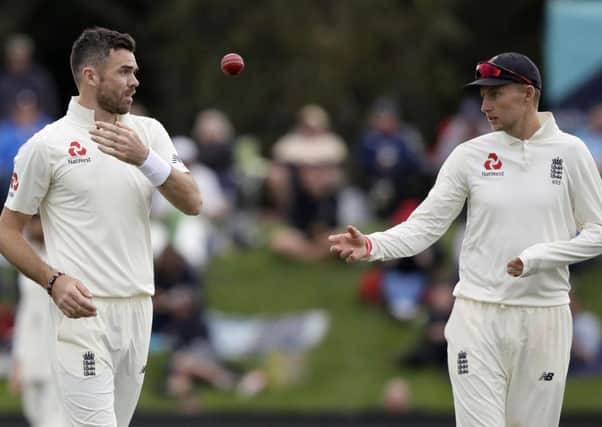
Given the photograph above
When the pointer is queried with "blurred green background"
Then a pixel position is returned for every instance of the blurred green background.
(341, 54)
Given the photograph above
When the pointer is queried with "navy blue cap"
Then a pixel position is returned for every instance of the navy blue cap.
(509, 63)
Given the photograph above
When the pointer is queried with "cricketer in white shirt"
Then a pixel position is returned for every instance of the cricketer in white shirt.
(540, 199)
(508, 337)
(91, 174)
(95, 216)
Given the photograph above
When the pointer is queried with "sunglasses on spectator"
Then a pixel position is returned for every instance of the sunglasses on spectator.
(486, 70)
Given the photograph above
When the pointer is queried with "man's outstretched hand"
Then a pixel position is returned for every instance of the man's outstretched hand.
(351, 246)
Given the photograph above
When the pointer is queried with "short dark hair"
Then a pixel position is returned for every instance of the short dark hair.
(94, 45)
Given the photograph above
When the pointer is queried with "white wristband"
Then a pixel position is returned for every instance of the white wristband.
(155, 169)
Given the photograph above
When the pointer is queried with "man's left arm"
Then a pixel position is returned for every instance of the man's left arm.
(174, 183)
(586, 192)
(182, 191)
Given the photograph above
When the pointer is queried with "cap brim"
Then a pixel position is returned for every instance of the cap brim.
(489, 82)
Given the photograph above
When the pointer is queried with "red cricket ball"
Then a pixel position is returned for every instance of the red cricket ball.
(232, 64)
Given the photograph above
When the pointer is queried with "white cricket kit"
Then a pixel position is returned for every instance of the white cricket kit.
(538, 199)
(41, 405)
(95, 215)
(94, 207)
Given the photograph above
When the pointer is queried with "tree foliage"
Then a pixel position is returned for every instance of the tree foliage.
(339, 53)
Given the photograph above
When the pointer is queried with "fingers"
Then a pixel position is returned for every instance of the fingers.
(109, 127)
(75, 301)
(345, 253)
(108, 139)
(515, 267)
(122, 126)
(83, 290)
(336, 237)
(353, 232)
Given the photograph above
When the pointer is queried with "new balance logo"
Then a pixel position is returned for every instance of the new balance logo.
(546, 376)
(462, 363)
(89, 364)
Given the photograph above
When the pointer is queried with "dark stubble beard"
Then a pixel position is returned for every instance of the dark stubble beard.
(110, 102)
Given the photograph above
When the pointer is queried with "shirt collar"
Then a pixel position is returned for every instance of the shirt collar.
(84, 115)
(547, 128)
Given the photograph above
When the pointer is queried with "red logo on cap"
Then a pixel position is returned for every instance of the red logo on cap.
(76, 149)
(493, 162)
(14, 182)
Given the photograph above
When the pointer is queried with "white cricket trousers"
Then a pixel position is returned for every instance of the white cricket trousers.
(99, 362)
(41, 405)
(508, 364)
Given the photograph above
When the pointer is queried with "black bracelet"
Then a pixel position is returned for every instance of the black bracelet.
(52, 280)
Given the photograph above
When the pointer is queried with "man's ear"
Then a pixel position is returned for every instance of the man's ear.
(530, 94)
(90, 76)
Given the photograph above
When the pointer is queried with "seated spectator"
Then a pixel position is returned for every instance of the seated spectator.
(196, 238)
(397, 396)
(431, 349)
(305, 180)
(214, 134)
(391, 160)
(179, 325)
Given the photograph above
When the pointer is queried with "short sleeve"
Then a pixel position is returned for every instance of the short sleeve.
(31, 178)
(165, 148)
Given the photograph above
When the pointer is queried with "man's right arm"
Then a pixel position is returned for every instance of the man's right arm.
(432, 217)
(68, 293)
(18, 251)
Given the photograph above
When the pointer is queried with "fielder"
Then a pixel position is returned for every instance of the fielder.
(91, 175)
(534, 200)
(31, 376)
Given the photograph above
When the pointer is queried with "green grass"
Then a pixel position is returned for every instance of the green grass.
(349, 369)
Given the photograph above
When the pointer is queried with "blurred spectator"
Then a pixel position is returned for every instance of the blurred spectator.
(179, 325)
(25, 120)
(390, 155)
(586, 352)
(469, 122)
(31, 374)
(305, 182)
(214, 134)
(431, 349)
(196, 238)
(592, 134)
(397, 396)
(21, 73)
(251, 170)
(200, 343)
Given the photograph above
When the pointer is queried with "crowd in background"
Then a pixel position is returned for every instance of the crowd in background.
(309, 183)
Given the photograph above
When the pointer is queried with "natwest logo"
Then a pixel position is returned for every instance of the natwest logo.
(14, 182)
(77, 152)
(493, 165)
(76, 149)
(493, 162)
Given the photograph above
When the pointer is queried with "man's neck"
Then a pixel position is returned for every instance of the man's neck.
(99, 114)
(525, 128)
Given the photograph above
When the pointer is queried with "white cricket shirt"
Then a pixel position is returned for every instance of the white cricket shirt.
(94, 208)
(540, 199)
